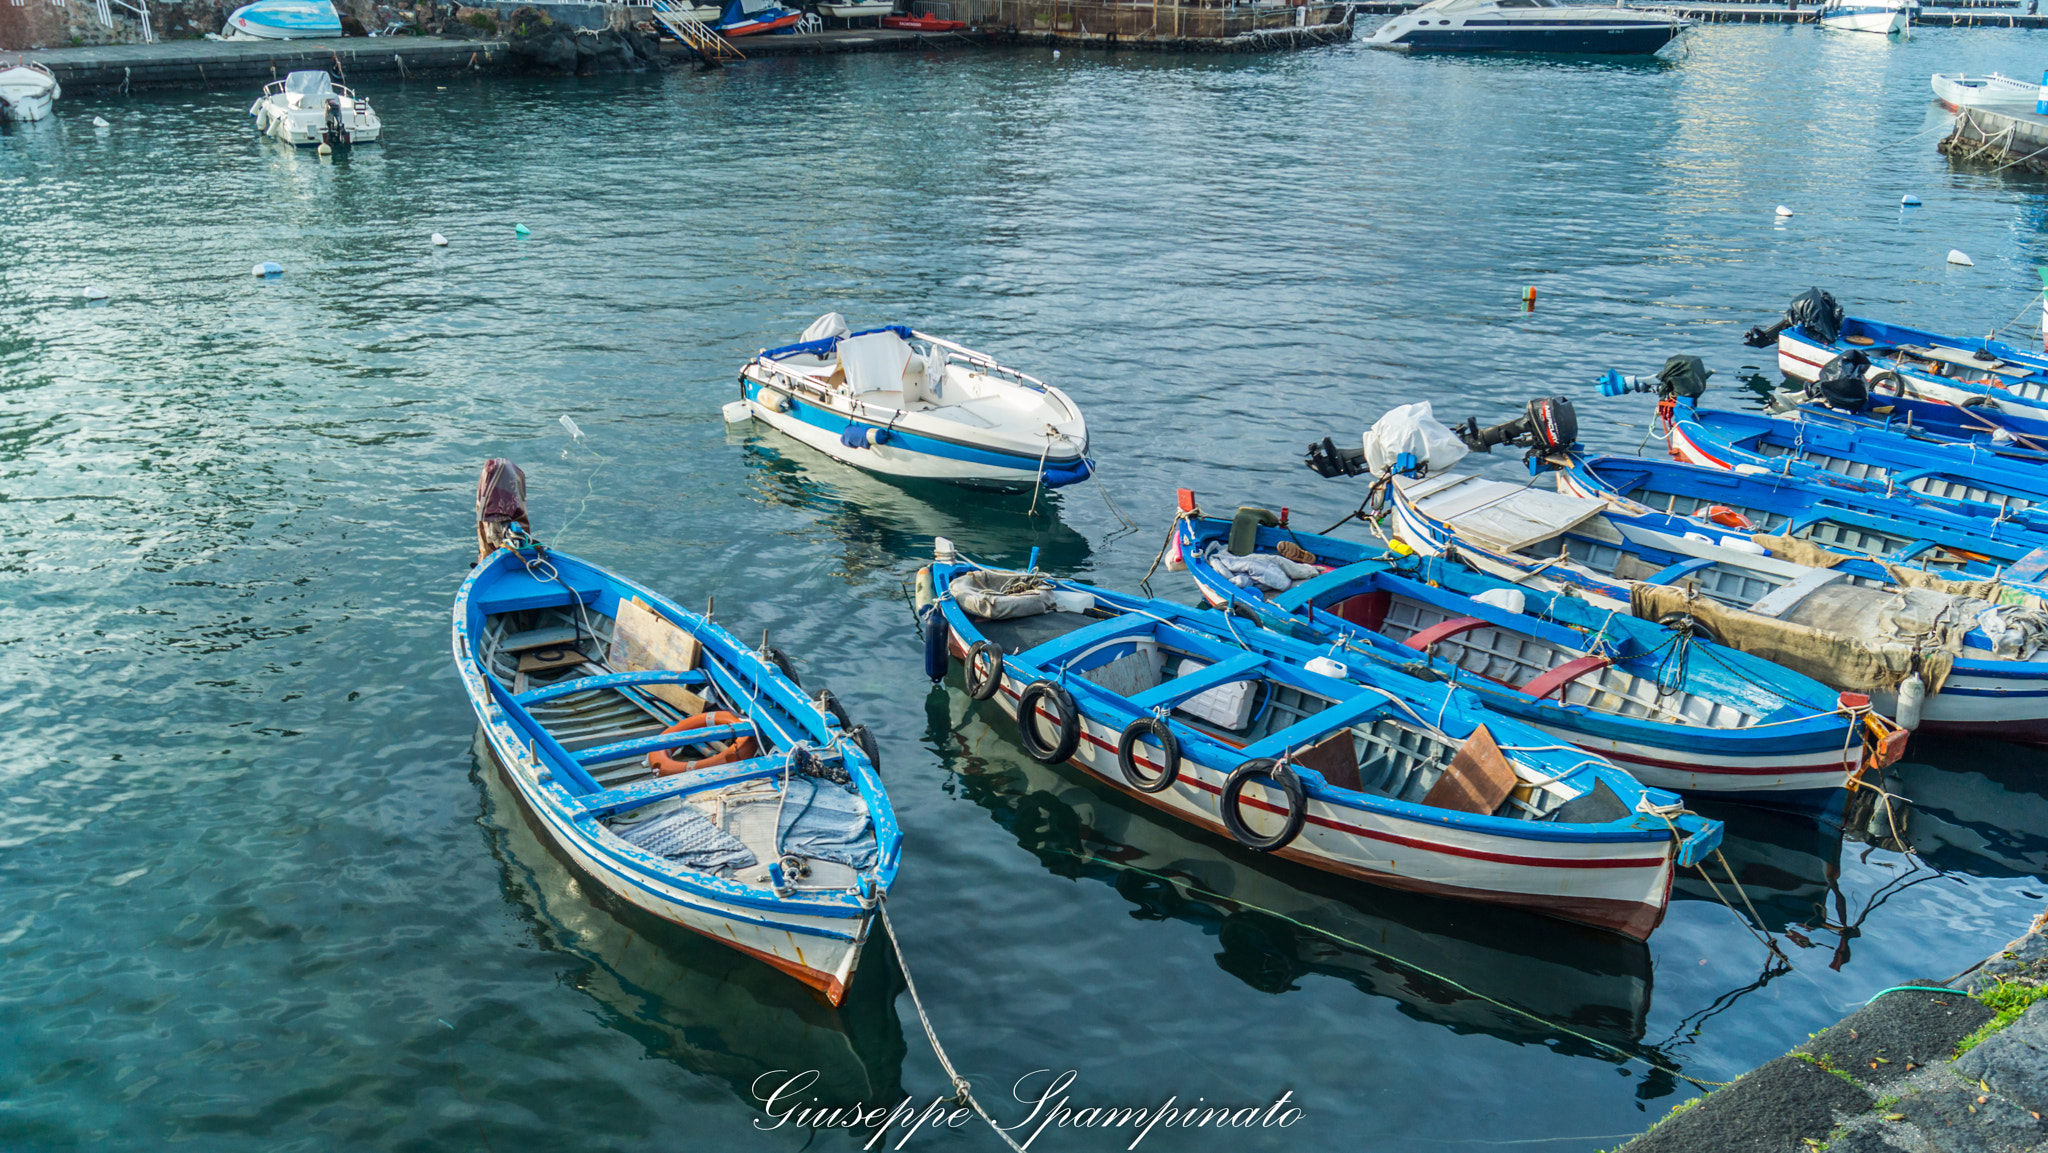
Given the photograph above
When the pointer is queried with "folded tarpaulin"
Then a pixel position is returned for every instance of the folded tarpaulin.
(1268, 571)
(825, 822)
(687, 835)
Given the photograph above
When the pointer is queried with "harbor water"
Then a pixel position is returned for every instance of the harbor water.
(257, 892)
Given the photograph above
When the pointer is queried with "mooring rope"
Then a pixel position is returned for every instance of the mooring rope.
(962, 1092)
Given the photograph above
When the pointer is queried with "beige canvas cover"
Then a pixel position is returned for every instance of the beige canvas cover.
(1842, 635)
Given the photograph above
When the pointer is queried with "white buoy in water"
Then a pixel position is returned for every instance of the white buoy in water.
(574, 432)
(268, 268)
(738, 412)
(325, 149)
(1958, 256)
(95, 292)
(1055, 54)
(1784, 211)
(100, 122)
(1910, 200)
(439, 241)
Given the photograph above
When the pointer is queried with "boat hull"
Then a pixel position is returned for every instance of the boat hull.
(284, 20)
(858, 11)
(27, 93)
(1619, 886)
(1957, 92)
(752, 27)
(1882, 20)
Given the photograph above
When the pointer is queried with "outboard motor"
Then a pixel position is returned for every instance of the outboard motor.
(500, 505)
(334, 133)
(1682, 376)
(1842, 382)
(1549, 424)
(1813, 310)
(1325, 459)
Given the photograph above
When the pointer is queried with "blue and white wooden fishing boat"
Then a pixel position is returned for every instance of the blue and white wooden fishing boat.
(1916, 533)
(1930, 658)
(1910, 361)
(283, 20)
(901, 403)
(680, 771)
(2007, 433)
(1676, 713)
(1344, 766)
(1975, 478)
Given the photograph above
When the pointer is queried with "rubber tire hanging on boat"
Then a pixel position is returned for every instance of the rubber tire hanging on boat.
(978, 689)
(781, 661)
(1169, 754)
(1888, 381)
(938, 639)
(1691, 624)
(1062, 749)
(830, 704)
(1281, 777)
(864, 737)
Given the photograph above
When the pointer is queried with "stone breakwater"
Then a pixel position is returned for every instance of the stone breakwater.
(1915, 1070)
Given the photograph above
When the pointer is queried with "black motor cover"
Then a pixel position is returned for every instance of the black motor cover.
(1817, 312)
(1553, 424)
(1842, 384)
(1683, 376)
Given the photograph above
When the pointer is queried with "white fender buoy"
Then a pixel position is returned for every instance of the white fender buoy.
(1055, 54)
(1958, 256)
(1784, 211)
(737, 412)
(1909, 200)
(325, 149)
(100, 122)
(268, 268)
(438, 240)
(1912, 698)
(926, 593)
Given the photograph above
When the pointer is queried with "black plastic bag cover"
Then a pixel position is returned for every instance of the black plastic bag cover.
(501, 492)
(1684, 376)
(1816, 312)
(1841, 383)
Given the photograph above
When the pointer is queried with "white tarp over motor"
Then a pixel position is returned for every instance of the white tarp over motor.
(874, 362)
(1412, 428)
(830, 326)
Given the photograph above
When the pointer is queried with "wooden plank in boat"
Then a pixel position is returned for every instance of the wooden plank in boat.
(1479, 779)
(540, 639)
(2030, 567)
(1508, 517)
(643, 639)
(1335, 757)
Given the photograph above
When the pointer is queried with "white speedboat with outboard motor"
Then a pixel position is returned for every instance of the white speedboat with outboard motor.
(284, 20)
(1528, 26)
(898, 402)
(1884, 17)
(27, 90)
(308, 108)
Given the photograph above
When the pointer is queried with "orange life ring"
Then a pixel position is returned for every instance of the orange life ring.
(665, 763)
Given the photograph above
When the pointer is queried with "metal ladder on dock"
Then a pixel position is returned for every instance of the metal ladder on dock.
(709, 46)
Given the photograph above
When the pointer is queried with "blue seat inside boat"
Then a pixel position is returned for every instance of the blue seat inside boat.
(522, 590)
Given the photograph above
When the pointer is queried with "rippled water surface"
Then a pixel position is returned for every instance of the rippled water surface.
(256, 891)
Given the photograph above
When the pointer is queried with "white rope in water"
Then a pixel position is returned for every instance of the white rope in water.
(961, 1091)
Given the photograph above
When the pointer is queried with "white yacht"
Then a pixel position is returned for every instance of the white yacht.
(1528, 26)
(1884, 17)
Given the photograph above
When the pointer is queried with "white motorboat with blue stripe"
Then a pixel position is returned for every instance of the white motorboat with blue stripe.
(678, 770)
(902, 403)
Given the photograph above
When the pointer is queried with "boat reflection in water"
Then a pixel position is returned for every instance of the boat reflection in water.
(1469, 967)
(692, 1000)
(1978, 807)
(1788, 863)
(881, 521)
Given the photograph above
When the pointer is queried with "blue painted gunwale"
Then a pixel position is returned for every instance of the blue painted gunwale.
(1734, 438)
(1547, 617)
(1441, 536)
(1938, 419)
(1928, 525)
(1888, 337)
(783, 714)
(1213, 637)
(1060, 470)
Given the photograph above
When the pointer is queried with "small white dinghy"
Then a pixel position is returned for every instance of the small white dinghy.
(901, 403)
(308, 108)
(857, 9)
(27, 90)
(1957, 91)
(1884, 17)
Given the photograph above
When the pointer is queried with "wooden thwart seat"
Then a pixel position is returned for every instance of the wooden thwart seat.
(1557, 677)
(1443, 630)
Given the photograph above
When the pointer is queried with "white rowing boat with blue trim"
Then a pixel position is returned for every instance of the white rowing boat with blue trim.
(902, 403)
(680, 771)
(1347, 767)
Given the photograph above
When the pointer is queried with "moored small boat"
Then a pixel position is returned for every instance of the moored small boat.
(1346, 767)
(309, 108)
(857, 9)
(1677, 713)
(753, 17)
(898, 402)
(675, 768)
(1553, 26)
(1884, 17)
(923, 24)
(283, 20)
(27, 91)
(1958, 91)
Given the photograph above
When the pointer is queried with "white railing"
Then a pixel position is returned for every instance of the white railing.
(707, 43)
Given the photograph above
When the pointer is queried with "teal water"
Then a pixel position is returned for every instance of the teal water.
(256, 891)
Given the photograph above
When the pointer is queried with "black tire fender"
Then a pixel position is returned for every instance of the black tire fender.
(1069, 720)
(829, 703)
(978, 689)
(781, 661)
(1169, 754)
(869, 747)
(1281, 777)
